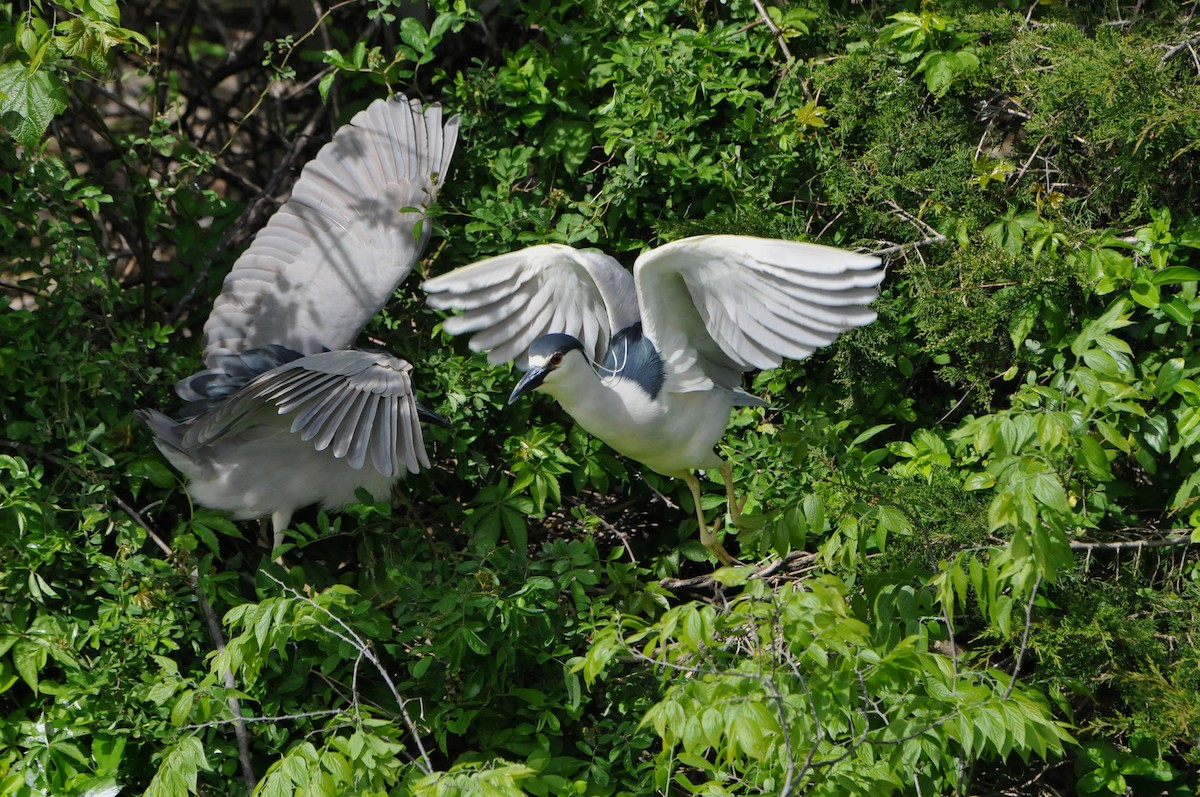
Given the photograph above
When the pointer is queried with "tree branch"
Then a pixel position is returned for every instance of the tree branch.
(1173, 541)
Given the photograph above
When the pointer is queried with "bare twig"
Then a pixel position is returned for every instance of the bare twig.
(762, 12)
(1025, 167)
(328, 712)
(932, 235)
(793, 562)
(351, 637)
(1173, 51)
(1184, 538)
(666, 501)
(1024, 638)
(958, 404)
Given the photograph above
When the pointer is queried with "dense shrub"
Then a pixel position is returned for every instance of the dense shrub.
(969, 563)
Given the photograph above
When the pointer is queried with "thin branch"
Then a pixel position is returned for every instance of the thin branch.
(239, 724)
(1173, 51)
(1016, 670)
(932, 236)
(213, 624)
(958, 404)
(762, 12)
(351, 637)
(141, 521)
(16, 287)
(1134, 545)
(274, 718)
(666, 501)
(1029, 161)
(793, 562)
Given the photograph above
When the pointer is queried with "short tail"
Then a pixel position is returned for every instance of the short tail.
(166, 432)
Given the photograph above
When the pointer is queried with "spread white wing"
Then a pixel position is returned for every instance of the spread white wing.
(358, 404)
(330, 258)
(510, 301)
(716, 306)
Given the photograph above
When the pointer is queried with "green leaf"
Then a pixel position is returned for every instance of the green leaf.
(867, 435)
(1022, 322)
(29, 101)
(979, 481)
(570, 138)
(413, 33)
(1093, 458)
(1175, 274)
(1169, 375)
(29, 657)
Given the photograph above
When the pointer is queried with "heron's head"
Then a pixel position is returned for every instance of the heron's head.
(547, 355)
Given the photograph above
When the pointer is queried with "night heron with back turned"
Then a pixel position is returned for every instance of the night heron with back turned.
(650, 362)
(286, 414)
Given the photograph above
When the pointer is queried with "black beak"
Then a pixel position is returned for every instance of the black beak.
(530, 382)
(429, 416)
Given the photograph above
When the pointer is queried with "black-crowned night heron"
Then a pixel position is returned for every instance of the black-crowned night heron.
(286, 414)
(671, 340)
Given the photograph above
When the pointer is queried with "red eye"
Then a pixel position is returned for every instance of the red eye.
(556, 358)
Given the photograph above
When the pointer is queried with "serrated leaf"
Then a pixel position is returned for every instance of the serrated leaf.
(29, 101)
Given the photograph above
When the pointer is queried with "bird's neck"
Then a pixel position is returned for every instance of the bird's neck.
(576, 386)
(631, 356)
(601, 405)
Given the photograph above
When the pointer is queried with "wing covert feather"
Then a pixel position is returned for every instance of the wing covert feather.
(509, 301)
(347, 401)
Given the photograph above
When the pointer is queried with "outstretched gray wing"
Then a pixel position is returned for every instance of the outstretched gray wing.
(510, 301)
(358, 404)
(330, 258)
(716, 306)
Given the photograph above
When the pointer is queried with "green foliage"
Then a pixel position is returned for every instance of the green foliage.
(1104, 769)
(811, 687)
(47, 46)
(945, 56)
(948, 586)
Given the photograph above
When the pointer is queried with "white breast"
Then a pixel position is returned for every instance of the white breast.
(672, 433)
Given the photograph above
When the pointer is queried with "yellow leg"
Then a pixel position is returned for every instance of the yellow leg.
(735, 508)
(708, 536)
(279, 522)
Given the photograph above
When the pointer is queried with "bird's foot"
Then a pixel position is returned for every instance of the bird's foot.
(708, 538)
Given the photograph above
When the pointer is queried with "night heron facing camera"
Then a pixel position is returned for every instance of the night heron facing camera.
(650, 362)
(286, 414)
